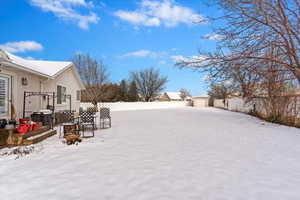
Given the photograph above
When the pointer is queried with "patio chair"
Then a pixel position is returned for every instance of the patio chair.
(87, 119)
(68, 116)
(105, 117)
(92, 109)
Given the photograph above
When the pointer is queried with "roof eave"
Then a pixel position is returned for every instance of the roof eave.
(19, 67)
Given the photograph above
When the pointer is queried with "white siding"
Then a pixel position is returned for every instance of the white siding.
(67, 79)
(40, 84)
(17, 89)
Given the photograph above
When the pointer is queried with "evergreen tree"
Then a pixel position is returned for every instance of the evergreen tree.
(123, 90)
(133, 92)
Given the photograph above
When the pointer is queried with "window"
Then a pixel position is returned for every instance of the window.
(4, 92)
(61, 94)
(64, 94)
(78, 95)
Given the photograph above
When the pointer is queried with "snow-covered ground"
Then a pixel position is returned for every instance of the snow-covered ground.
(169, 154)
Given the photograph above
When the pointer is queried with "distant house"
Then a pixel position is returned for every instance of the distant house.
(170, 96)
(18, 75)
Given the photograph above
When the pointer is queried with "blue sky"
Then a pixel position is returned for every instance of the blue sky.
(126, 34)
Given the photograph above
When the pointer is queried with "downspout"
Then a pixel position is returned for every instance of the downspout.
(41, 98)
(42, 86)
(11, 101)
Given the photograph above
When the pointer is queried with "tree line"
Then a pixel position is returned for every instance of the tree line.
(143, 85)
(125, 91)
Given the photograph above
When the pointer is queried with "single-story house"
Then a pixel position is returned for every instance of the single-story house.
(170, 96)
(19, 75)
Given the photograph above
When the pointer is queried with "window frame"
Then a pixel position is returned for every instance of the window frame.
(6, 112)
(62, 96)
(78, 95)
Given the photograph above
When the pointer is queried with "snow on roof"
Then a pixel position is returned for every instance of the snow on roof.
(174, 95)
(46, 68)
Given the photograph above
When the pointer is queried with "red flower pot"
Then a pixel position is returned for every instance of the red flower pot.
(22, 128)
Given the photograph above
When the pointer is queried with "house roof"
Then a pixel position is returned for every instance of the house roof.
(201, 97)
(174, 95)
(49, 69)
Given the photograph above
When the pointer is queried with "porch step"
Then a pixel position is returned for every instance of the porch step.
(37, 132)
(38, 137)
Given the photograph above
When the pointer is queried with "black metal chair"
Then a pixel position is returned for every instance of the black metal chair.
(68, 116)
(87, 119)
(92, 109)
(104, 117)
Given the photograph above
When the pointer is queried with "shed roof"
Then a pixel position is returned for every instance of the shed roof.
(174, 95)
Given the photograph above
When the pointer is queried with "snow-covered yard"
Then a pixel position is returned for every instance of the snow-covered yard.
(167, 154)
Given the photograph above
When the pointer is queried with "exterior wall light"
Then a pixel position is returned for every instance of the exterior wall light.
(24, 81)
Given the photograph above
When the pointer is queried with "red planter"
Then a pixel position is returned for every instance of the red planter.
(23, 120)
(35, 126)
(23, 128)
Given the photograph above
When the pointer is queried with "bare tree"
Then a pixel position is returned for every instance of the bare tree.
(94, 75)
(254, 36)
(250, 28)
(149, 83)
(184, 93)
(259, 51)
(221, 90)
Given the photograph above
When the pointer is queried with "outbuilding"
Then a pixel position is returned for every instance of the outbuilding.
(200, 101)
(170, 96)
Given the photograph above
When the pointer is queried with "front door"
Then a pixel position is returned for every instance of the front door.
(5, 93)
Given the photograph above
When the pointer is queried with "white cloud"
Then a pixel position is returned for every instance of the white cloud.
(199, 58)
(65, 9)
(160, 12)
(141, 53)
(193, 59)
(144, 53)
(79, 2)
(178, 58)
(213, 36)
(88, 4)
(22, 46)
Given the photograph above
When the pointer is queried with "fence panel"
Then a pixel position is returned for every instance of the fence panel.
(119, 106)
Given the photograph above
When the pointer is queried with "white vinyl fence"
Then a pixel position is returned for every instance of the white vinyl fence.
(120, 106)
(240, 105)
(235, 104)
